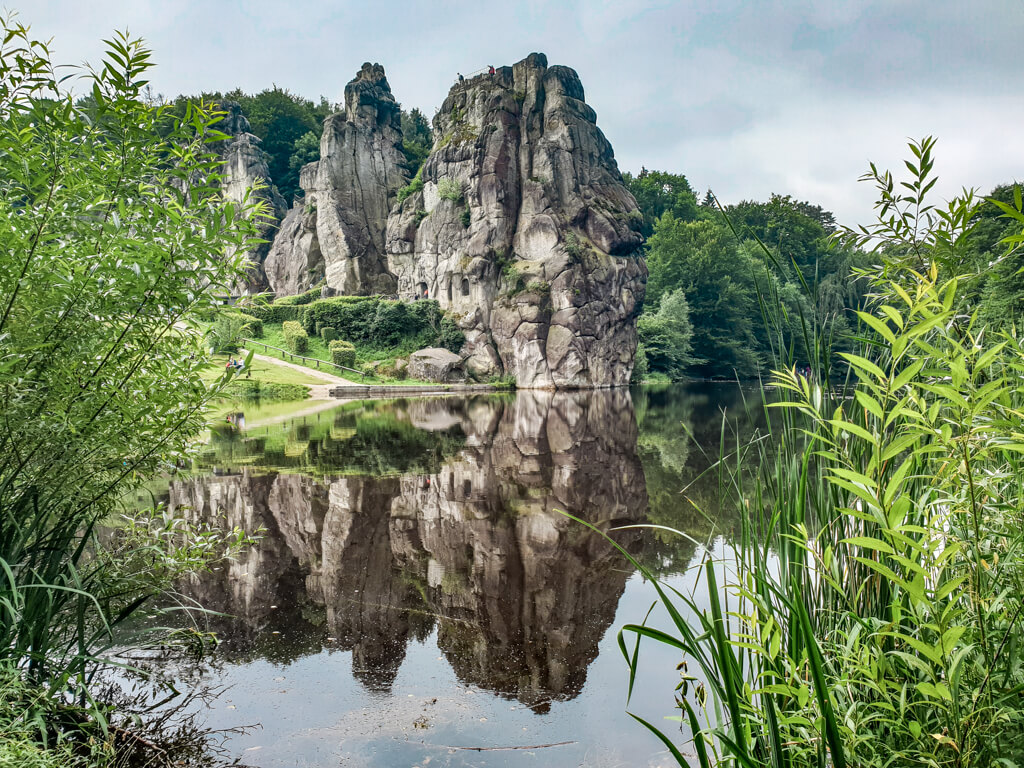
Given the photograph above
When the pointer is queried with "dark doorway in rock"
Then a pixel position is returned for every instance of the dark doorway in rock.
(465, 286)
(449, 293)
(467, 488)
(422, 292)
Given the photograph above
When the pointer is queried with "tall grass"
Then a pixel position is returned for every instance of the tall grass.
(871, 613)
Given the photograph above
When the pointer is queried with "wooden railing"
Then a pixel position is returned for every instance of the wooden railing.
(291, 355)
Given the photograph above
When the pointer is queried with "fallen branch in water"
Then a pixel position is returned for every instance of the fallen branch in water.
(497, 749)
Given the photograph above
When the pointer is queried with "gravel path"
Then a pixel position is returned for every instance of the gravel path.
(316, 391)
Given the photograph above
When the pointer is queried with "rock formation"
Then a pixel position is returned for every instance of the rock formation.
(524, 230)
(336, 231)
(245, 173)
(518, 223)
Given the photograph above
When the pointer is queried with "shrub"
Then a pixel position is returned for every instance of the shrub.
(350, 316)
(450, 336)
(343, 353)
(449, 189)
(300, 299)
(101, 380)
(252, 327)
(419, 217)
(414, 186)
(392, 322)
(226, 330)
(466, 217)
(274, 313)
(328, 334)
(296, 337)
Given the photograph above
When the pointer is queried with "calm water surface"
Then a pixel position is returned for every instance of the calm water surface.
(417, 593)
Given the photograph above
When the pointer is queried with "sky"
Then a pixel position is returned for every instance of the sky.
(745, 98)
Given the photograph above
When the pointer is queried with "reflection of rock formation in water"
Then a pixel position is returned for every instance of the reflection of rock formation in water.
(522, 594)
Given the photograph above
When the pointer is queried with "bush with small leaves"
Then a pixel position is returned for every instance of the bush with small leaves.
(342, 353)
(296, 337)
(328, 334)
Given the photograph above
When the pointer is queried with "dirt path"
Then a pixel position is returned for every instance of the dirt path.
(316, 391)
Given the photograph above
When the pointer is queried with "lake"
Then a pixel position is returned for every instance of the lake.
(418, 598)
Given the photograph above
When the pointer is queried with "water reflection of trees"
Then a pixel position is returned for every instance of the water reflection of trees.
(463, 536)
(683, 430)
(366, 437)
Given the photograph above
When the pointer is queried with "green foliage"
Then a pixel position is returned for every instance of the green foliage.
(343, 353)
(574, 247)
(305, 150)
(703, 259)
(414, 186)
(419, 217)
(296, 337)
(264, 391)
(226, 331)
(878, 585)
(657, 193)
(417, 139)
(300, 299)
(666, 336)
(449, 189)
(274, 313)
(328, 334)
(451, 336)
(113, 240)
(283, 121)
(466, 217)
(641, 368)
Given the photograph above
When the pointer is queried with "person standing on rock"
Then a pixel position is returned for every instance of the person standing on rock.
(461, 78)
(490, 69)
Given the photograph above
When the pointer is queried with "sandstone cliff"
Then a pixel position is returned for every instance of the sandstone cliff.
(245, 173)
(518, 223)
(337, 230)
(524, 230)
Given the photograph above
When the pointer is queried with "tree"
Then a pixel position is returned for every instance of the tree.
(703, 259)
(417, 139)
(658, 192)
(666, 336)
(112, 239)
(306, 150)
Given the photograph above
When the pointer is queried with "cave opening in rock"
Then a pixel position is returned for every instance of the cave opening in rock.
(465, 286)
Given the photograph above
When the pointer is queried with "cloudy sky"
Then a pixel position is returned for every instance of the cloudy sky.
(747, 98)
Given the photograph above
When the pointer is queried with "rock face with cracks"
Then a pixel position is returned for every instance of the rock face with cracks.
(518, 223)
(336, 231)
(245, 174)
(524, 231)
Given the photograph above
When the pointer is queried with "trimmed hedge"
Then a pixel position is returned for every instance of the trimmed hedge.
(313, 294)
(328, 334)
(252, 327)
(275, 313)
(343, 353)
(296, 338)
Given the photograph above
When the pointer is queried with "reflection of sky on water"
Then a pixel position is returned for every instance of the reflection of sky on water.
(417, 591)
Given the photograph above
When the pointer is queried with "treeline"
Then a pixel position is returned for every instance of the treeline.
(726, 290)
(289, 127)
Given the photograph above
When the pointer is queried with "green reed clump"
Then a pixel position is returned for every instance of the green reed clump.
(871, 613)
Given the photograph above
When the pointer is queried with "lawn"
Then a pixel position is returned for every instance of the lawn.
(265, 372)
